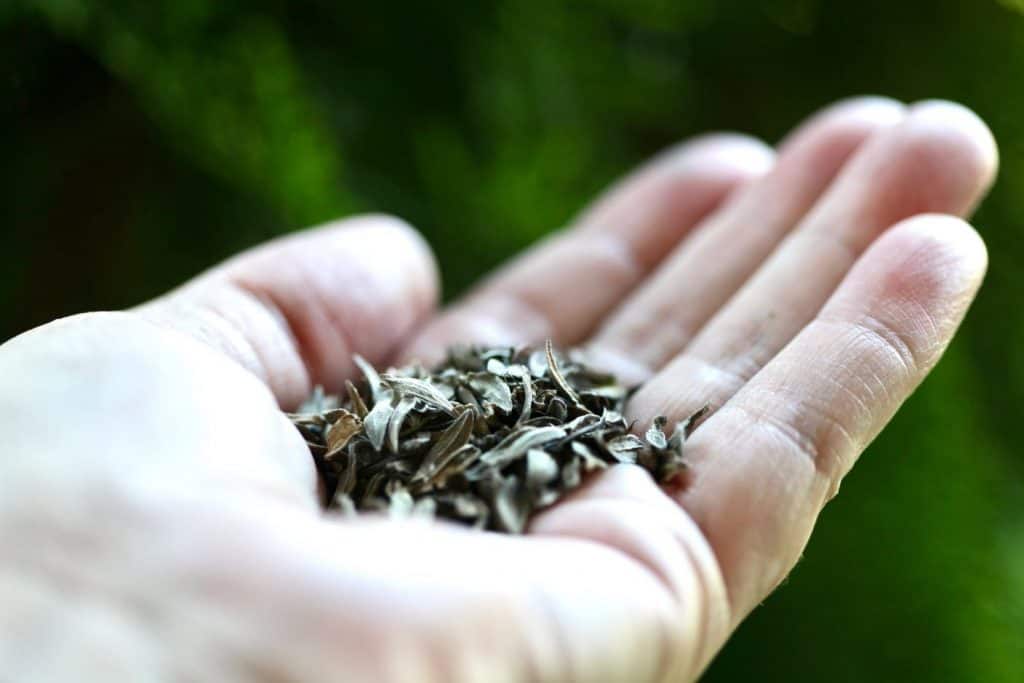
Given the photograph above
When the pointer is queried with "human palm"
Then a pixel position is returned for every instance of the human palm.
(802, 294)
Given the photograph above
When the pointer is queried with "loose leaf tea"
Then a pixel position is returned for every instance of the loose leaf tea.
(486, 439)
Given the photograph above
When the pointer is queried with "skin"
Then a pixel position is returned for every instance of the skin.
(804, 292)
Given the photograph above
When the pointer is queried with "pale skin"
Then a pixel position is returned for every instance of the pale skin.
(803, 292)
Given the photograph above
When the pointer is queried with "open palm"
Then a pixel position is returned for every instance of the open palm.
(804, 294)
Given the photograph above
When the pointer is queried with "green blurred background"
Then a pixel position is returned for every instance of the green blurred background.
(144, 141)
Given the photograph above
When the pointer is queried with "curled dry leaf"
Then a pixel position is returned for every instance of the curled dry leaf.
(376, 422)
(556, 374)
(338, 434)
(355, 399)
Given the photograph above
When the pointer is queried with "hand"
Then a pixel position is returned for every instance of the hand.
(159, 515)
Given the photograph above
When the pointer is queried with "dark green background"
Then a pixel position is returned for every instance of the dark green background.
(144, 141)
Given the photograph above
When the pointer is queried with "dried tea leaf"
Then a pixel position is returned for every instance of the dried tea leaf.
(538, 363)
(587, 458)
(545, 498)
(376, 423)
(448, 444)
(492, 388)
(372, 378)
(465, 395)
(398, 415)
(344, 428)
(556, 375)
(373, 486)
(519, 442)
(347, 479)
(417, 443)
(670, 469)
(343, 503)
(625, 448)
(656, 434)
(465, 507)
(424, 508)
(527, 383)
(541, 469)
(685, 427)
(510, 508)
(417, 388)
(355, 399)
(318, 402)
(611, 392)
(571, 476)
(496, 367)
(457, 464)
(557, 409)
(694, 420)
(400, 503)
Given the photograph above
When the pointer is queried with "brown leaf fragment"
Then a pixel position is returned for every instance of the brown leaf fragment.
(355, 399)
(685, 427)
(338, 434)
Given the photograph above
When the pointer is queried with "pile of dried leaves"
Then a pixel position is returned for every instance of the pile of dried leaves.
(486, 439)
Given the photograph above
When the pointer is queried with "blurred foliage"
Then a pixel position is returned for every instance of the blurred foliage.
(147, 140)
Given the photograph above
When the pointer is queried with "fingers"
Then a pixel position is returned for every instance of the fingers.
(765, 464)
(294, 311)
(941, 158)
(662, 316)
(563, 287)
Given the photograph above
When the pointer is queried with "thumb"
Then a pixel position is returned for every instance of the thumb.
(294, 311)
